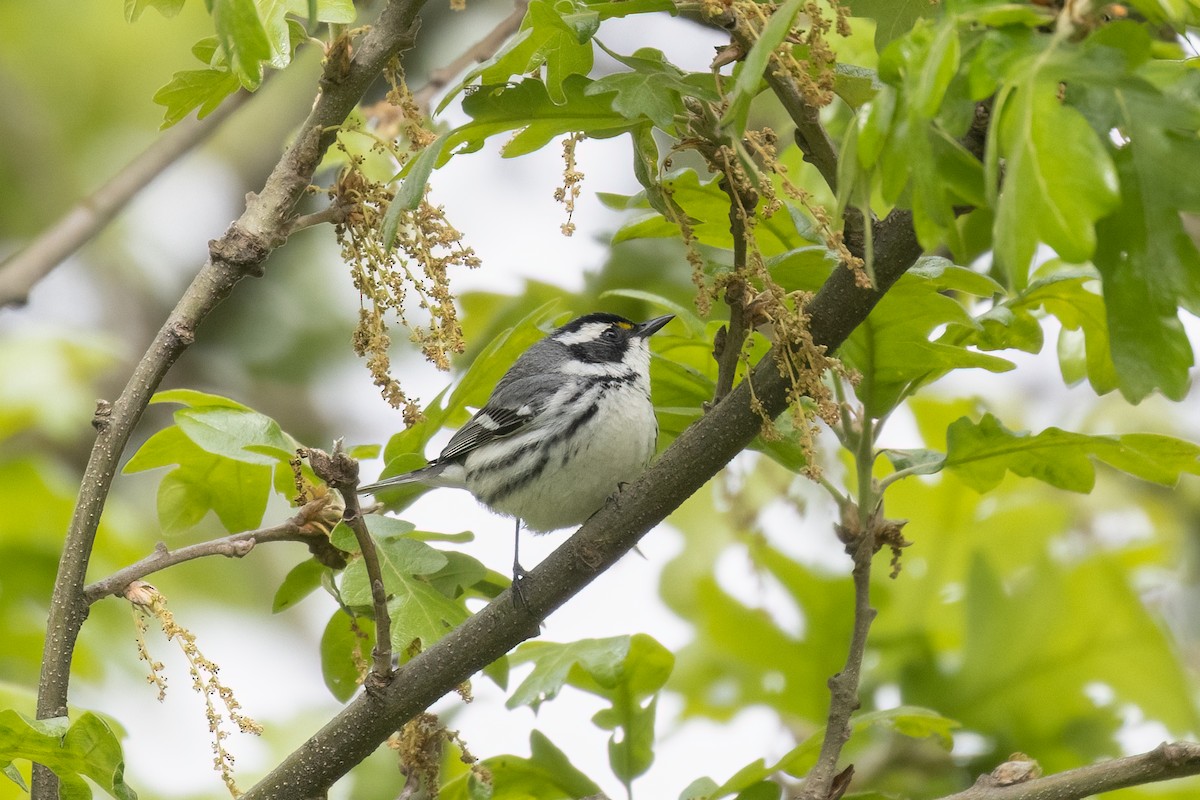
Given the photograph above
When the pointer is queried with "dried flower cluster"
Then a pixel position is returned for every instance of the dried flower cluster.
(419, 747)
(412, 270)
(568, 193)
(805, 56)
(147, 602)
(763, 303)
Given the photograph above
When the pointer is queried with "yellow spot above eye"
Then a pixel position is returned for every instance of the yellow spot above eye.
(625, 326)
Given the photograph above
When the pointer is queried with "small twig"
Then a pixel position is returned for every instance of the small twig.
(296, 529)
(811, 136)
(21, 271)
(477, 53)
(742, 200)
(1165, 762)
(858, 531)
(340, 471)
(334, 212)
(728, 348)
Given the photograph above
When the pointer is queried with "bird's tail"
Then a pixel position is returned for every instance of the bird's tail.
(416, 476)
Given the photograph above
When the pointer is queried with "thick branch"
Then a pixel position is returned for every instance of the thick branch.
(240, 252)
(687, 464)
(1165, 762)
(24, 268)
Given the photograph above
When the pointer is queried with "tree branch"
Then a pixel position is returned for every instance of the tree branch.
(1165, 762)
(341, 472)
(21, 271)
(811, 137)
(239, 253)
(477, 53)
(859, 534)
(296, 529)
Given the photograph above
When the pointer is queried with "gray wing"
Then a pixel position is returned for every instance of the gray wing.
(513, 406)
(489, 423)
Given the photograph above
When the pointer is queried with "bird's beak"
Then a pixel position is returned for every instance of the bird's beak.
(650, 327)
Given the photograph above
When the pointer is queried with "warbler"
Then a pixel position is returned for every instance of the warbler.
(566, 426)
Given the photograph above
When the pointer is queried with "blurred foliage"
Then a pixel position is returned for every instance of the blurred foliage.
(1047, 602)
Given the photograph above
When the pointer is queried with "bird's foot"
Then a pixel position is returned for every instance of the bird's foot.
(519, 576)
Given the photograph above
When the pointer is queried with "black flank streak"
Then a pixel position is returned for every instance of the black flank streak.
(577, 424)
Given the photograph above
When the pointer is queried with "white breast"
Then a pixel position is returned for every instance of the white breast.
(585, 469)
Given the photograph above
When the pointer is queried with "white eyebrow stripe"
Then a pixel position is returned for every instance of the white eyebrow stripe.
(588, 333)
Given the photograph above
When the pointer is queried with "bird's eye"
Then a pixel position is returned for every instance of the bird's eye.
(609, 334)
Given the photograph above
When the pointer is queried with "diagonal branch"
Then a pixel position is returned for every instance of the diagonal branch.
(477, 53)
(239, 253)
(21, 271)
(687, 464)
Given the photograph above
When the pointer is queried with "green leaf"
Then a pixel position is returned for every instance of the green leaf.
(168, 8)
(855, 85)
(653, 89)
(1058, 181)
(193, 398)
(607, 9)
(708, 207)
(699, 789)
(1099, 623)
(547, 774)
(299, 583)
(554, 35)
(979, 453)
(892, 349)
(917, 461)
(421, 613)
(744, 650)
(230, 432)
(408, 197)
(1149, 263)
(764, 790)
(340, 12)
(528, 107)
(644, 672)
(236, 491)
(1083, 346)
(600, 658)
(893, 18)
(201, 89)
(460, 573)
(85, 748)
(400, 559)
(911, 721)
(750, 72)
(243, 39)
(345, 644)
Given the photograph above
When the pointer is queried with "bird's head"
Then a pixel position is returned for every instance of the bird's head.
(607, 339)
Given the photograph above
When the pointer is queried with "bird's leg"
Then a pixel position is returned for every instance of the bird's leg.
(519, 572)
